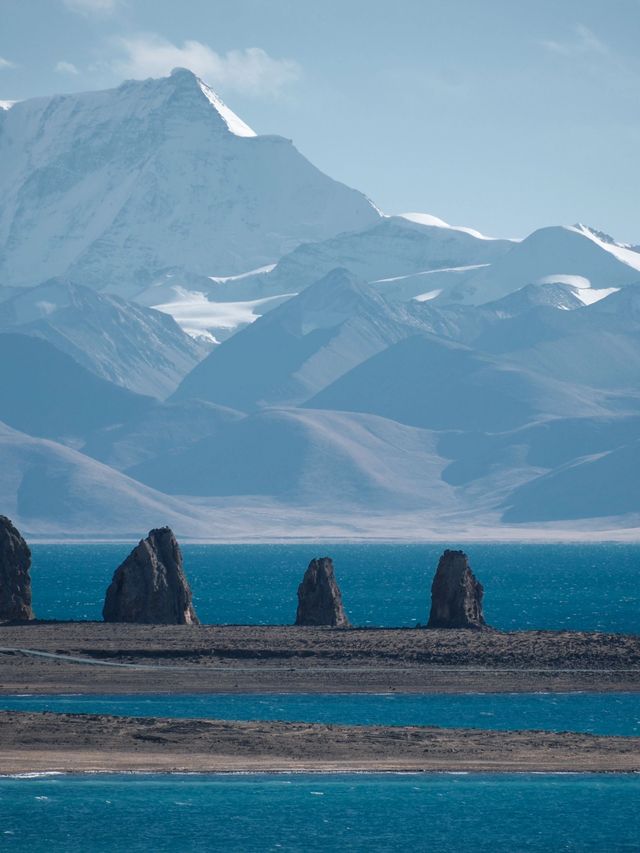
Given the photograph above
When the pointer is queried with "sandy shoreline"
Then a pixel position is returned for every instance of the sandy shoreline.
(93, 657)
(48, 742)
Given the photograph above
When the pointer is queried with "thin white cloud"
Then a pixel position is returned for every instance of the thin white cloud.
(584, 41)
(6, 63)
(92, 7)
(250, 71)
(64, 67)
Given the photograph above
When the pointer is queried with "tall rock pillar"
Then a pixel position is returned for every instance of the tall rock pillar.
(150, 587)
(456, 594)
(15, 580)
(319, 597)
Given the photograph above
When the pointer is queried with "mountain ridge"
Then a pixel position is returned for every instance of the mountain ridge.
(112, 187)
(138, 348)
(363, 375)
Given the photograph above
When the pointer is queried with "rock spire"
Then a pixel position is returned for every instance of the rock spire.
(319, 597)
(150, 587)
(15, 581)
(456, 594)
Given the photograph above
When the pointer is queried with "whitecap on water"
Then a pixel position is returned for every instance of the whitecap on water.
(31, 775)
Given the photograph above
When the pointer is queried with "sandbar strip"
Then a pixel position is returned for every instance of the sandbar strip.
(83, 743)
(94, 657)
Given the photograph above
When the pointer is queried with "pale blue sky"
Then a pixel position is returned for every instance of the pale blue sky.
(503, 115)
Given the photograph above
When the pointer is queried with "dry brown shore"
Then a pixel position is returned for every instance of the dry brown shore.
(45, 742)
(94, 657)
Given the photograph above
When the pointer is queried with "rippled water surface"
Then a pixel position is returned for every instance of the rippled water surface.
(526, 586)
(609, 713)
(436, 813)
(590, 587)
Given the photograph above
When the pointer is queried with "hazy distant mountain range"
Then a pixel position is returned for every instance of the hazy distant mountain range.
(197, 327)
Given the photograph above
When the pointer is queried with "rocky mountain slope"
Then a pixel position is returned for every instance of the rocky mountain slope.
(130, 345)
(110, 188)
(326, 370)
(46, 393)
(288, 355)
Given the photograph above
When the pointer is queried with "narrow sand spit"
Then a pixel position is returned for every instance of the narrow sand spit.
(45, 742)
(93, 657)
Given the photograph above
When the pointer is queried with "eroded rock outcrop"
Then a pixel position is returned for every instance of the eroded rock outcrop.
(150, 587)
(15, 580)
(319, 597)
(456, 594)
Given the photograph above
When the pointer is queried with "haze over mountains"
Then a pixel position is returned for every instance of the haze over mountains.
(200, 328)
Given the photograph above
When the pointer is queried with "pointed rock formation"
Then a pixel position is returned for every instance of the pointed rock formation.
(319, 597)
(456, 594)
(15, 582)
(150, 587)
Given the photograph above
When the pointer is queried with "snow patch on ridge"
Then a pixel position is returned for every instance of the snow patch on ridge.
(436, 222)
(200, 318)
(233, 122)
(578, 282)
(429, 272)
(428, 296)
(580, 287)
(221, 279)
(589, 295)
(623, 253)
(6, 105)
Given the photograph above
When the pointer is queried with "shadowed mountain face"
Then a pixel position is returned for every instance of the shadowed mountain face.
(423, 421)
(113, 187)
(546, 445)
(46, 393)
(51, 489)
(289, 354)
(601, 485)
(162, 430)
(328, 459)
(436, 384)
(598, 345)
(135, 347)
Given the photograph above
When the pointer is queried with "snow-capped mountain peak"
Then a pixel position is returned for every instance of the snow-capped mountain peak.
(182, 79)
(113, 187)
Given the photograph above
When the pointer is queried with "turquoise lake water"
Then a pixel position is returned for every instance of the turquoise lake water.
(608, 714)
(309, 813)
(590, 587)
